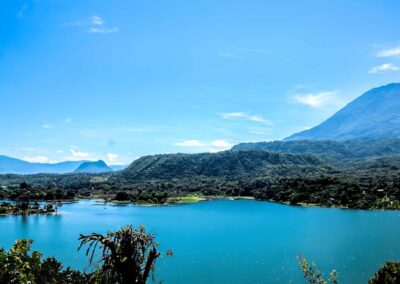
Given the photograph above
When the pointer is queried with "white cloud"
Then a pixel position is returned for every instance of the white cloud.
(189, 143)
(384, 68)
(68, 120)
(221, 144)
(48, 126)
(112, 158)
(243, 115)
(38, 159)
(319, 100)
(79, 154)
(390, 52)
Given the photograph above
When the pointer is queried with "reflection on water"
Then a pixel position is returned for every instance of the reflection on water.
(225, 241)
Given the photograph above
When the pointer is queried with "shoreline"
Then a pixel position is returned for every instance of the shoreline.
(182, 200)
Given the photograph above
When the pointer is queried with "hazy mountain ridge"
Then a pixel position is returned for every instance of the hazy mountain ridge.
(375, 114)
(331, 150)
(93, 167)
(9, 165)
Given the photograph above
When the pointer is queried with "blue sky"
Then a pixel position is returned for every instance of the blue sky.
(118, 79)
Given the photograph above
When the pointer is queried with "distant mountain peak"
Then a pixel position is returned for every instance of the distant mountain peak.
(375, 114)
(93, 167)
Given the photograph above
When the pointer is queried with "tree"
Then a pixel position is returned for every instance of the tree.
(389, 273)
(128, 255)
(23, 203)
(24, 185)
(122, 196)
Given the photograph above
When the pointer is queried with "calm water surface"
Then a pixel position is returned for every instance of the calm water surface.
(226, 241)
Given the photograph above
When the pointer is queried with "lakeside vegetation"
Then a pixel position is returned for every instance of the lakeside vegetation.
(24, 208)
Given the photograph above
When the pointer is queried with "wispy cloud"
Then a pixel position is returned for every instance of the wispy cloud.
(102, 30)
(48, 126)
(227, 54)
(384, 68)
(97, 25)
(212, 146)
(68, 120)
(190, 144)
(96, 20)
(250, 50)
(94, 24)
(38, 159)
(245, 116)
(389, 52)
(321, 100)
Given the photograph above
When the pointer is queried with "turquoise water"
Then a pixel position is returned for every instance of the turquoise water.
(224, 241)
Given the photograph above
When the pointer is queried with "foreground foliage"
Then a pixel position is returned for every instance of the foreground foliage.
(21, 265)
(128, 256)
(387, 274)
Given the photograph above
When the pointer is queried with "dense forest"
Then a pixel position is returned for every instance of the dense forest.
(360, 181)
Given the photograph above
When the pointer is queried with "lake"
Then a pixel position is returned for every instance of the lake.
(223, 241)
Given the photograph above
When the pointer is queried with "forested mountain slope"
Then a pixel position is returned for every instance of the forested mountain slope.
(331, 150)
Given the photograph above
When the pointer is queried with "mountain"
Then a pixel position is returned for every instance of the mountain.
(375, 114)
(282, 177)
(93, 167)
(16, 166)
(227, 164)
(332, 150)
